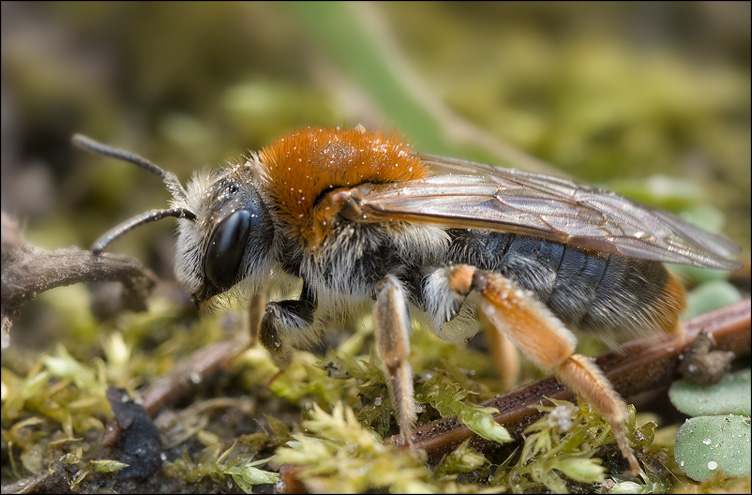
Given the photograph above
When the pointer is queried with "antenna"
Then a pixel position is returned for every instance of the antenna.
(171, 182)
(170, 179)
(125, 227)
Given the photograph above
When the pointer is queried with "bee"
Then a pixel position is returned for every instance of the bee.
(365, 221)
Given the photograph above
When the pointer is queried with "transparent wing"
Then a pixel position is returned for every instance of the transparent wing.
(463, 194)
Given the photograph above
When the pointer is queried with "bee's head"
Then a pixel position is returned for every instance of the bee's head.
(231, 237)
(225, 232)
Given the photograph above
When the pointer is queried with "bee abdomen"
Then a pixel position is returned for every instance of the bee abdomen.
(588, 290)
(634, 296)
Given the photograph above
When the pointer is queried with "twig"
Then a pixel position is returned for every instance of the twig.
(638, 367)
(202, 367)
(28, 270)
(45, 482)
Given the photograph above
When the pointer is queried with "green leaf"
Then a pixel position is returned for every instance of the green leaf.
(706, 445)
(462, 460)
(107, 465)
(709, 296)
(584, 470)
(729, 396)
(447, 398)
(248, 475)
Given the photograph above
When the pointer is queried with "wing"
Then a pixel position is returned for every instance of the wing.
(463, 194)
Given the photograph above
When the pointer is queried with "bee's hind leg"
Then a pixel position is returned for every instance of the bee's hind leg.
(544, 339)
(391, 319)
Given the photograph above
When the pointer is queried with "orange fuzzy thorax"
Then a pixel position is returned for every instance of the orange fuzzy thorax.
(299, 168)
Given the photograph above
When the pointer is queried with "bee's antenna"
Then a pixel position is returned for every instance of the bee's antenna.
(125, 227)
(170, 179)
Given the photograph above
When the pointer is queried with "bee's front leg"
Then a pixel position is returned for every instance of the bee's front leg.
(281, 322)
(391, 319)
(256, 311)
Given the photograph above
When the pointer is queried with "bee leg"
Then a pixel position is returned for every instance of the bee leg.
(256, 306)
(506, 360)
(279, 321)
(543, 338)
(392, 333)
(445, 291)
(455, 284)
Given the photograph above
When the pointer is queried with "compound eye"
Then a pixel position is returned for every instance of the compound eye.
(226, 248)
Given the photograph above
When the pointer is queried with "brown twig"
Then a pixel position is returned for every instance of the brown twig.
(638, 367)
(28, 270)
(203, 365)
(47, 481)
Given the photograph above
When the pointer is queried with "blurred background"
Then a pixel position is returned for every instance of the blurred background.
(649, 99)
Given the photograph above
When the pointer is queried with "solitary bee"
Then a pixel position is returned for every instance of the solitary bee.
(365, 221)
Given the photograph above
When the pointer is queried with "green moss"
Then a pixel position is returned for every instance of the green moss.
(210, 83)
(449, 400)
(216, 464)
(337, 454)
(552, 449)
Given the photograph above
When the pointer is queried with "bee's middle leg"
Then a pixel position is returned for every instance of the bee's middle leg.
(391, 319)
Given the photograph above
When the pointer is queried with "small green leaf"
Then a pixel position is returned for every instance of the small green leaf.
(709, 296)
(448, 400)
(481, 421)
(729, 396)
(107, 465)
(706, 445)
(584, 470)
(247, 475)
(626, 487)
(463, 459)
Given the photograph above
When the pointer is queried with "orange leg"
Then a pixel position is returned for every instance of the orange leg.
(506, 360)
(544, 339)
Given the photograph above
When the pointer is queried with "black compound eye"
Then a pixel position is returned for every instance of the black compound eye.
(226, 248)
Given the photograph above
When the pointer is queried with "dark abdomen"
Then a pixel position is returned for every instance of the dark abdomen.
(591, 291)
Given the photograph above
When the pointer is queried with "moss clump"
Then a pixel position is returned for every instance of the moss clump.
(213, 463)
(337, 454)
(553, 448)
(572, 450)
(449, 400)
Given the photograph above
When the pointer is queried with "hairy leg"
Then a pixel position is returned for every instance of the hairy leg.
(543, 338)
(392, 333)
